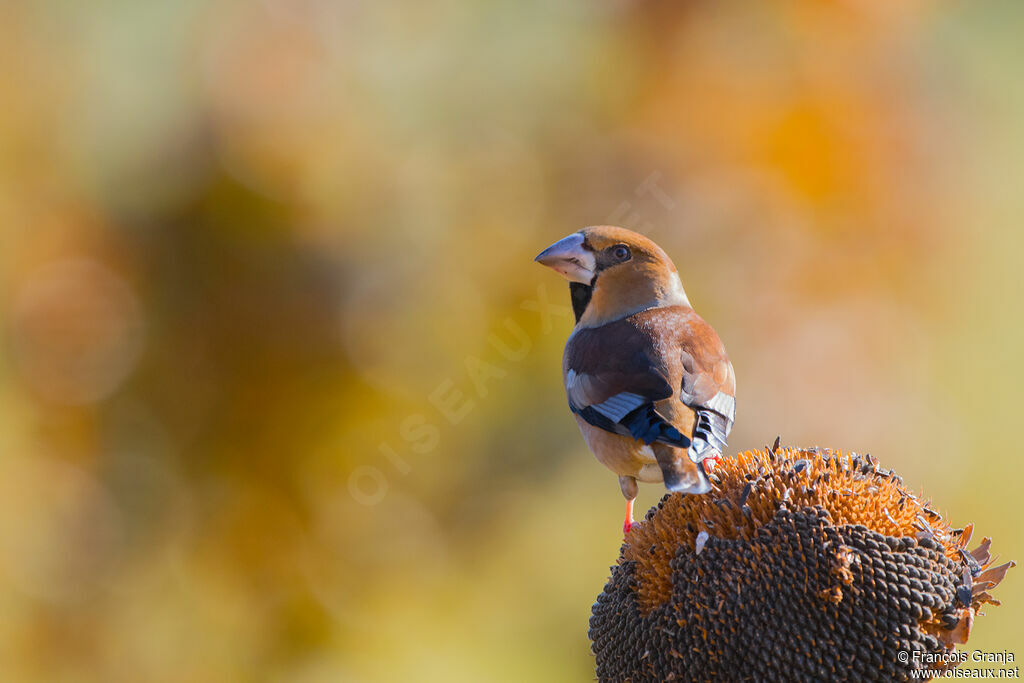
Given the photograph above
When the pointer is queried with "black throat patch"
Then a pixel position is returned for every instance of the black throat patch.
(580, 294)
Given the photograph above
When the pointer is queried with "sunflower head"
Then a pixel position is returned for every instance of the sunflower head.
(800, 564)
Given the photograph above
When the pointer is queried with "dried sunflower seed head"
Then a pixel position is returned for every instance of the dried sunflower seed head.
(819, 567)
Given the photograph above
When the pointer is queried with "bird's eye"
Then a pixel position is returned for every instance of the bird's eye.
(620, 252)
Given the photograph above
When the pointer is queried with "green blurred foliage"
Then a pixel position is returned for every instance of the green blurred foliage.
(279, 390)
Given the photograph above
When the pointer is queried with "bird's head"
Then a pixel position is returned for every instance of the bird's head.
(613, 272)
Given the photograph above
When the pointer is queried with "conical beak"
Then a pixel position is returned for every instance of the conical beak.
(570, 258)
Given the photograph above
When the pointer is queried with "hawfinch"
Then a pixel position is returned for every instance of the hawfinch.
(648, 380)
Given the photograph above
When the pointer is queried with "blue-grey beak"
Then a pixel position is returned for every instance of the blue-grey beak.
(569, 258)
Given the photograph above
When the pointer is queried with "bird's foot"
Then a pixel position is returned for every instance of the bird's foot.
(631, 524)
(711, 462)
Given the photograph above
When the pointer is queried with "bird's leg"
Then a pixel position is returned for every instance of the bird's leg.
(629, 491)
(628, 524)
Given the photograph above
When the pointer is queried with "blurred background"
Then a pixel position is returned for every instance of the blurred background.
(280, 393)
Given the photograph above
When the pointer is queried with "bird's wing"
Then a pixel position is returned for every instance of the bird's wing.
(707, 383)
(614, 376)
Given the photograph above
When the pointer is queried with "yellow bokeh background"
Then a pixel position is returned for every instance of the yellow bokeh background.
(279, 384)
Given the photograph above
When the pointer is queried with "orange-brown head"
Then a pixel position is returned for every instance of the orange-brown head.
(613, 272)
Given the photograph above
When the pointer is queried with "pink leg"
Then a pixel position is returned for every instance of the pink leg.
(629, 490)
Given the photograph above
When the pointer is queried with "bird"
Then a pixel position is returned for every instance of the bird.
(648, 380)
